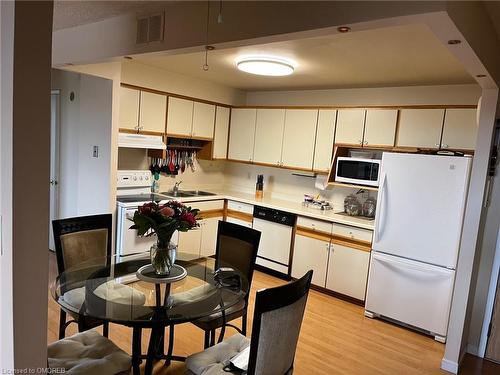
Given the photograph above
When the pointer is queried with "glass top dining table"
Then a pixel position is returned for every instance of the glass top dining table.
(108, 289)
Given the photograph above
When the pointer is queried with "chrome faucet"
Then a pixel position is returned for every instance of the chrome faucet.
(176, 187)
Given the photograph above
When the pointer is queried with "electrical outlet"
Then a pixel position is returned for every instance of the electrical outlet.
(95, 152)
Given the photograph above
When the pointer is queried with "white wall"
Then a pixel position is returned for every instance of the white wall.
(6, 87)
(86, 121)
(412, 95)
(138, 74)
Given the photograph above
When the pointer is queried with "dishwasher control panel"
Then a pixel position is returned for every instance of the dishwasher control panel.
(274, 216)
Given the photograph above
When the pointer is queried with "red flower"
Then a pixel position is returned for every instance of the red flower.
(189, 218)
(167, 211)
(146, 208)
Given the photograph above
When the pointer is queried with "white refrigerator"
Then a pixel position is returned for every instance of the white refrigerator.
(418, 225)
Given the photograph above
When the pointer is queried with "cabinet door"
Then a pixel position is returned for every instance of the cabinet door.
(269, 136)
(221, 133)
(350, 124)
(153, 109)
(129, 108)
(209, 236)
(380, 127)
(239, 222)
(324, 140)
(190, 241)
(460, 129)
(348, 271)
(242, 134)
(179, 116)
(310, 253)
(420, 128)
(298, 138)
(203, 120)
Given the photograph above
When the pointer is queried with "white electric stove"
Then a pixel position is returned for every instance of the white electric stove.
(133, 190)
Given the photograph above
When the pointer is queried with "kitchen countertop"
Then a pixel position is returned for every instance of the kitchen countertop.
(284, 205)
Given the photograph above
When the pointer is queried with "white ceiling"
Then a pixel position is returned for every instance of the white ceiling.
(394, 56)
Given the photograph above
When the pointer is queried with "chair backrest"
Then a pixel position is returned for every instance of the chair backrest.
(276, 326)
(237, 246)
(81, 239)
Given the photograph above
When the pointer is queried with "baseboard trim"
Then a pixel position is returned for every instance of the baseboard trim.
(449, 366)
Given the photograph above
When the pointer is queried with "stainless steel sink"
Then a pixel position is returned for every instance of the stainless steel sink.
(199, 193)
(177, 194)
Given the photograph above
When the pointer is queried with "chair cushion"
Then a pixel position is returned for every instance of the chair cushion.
(110, 291)
(88, 353)
(212, 360)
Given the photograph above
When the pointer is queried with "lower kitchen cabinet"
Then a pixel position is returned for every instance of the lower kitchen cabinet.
(310, 254)
(190, 242)
(239, 222)
(208, 241)
(348, 271)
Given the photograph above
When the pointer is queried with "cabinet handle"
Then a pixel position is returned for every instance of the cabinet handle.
(445, 146)
(436, 144)
(365, 142)
(360, 141)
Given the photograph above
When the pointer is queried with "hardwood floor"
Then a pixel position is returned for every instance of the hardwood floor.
(335, 338)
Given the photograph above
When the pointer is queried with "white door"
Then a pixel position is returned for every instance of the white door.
(298, 138)
(420, 207)
(242, 134)
(350, 125)
(239, 222)
(209, 236)
(420, 128)
(179, 116)
(129, 108)
(410, 292)
(190, 241)
(54, 165)
(380, 127)
(460, 129)
(221, 133)
(325, 133)
(269, 136)
(310, 254)
(152, 112)
(203, 120)
(275, 241)
(348, 271)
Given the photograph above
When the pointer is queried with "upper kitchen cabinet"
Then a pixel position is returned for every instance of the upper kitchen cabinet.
(298, 138)
(380, 127)
(142, 110)
(129, 108)
(420, 128)
(179, 117)
(242, 134)
(203, 120)
(325, 132)
(152, 112)
(269, 136)
(460, 129)
(350, 125)
(221, 133)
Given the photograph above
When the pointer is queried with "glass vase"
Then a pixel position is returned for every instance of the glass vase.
(163, 258)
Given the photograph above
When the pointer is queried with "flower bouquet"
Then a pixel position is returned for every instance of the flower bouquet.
(162, 220)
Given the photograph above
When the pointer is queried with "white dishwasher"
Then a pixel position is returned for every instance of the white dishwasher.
(276, 229)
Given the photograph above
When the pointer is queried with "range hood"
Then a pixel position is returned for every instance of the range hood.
(152, 142)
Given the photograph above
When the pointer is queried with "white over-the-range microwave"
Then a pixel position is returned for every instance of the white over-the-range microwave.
(357, 171)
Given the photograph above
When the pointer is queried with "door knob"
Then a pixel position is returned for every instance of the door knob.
(53, 182)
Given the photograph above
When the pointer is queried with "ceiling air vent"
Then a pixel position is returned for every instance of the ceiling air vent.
(150, 28)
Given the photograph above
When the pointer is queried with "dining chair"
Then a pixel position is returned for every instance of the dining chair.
(237, 247)
(84, 240)
(275, 332)
(87, 353)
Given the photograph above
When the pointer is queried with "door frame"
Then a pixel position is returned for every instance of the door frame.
(54, 168)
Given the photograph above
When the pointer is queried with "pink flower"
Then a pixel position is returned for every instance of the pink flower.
(167, 211)
(189, 218)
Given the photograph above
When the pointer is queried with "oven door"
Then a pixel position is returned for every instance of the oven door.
(357, 171)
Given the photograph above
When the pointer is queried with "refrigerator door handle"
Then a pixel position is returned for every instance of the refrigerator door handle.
(379, 214)
(422, 270)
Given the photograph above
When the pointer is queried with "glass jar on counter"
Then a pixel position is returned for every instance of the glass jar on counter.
(352, 206)
(369, 207)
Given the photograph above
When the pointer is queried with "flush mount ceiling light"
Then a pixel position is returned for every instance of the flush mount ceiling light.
(454, 41)
(266, 65)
